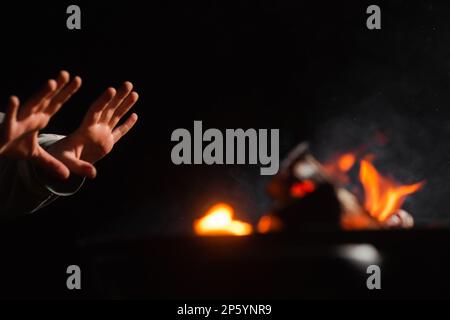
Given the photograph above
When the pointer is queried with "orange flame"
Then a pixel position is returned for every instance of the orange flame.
(219, 220)
(346, 162)
(383, 197)
(338, 167)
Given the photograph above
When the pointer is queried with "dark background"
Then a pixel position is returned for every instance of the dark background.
(311, 69)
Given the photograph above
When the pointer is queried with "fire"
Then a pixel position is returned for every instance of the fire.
(219, 220)
(383, 197)
(338, 167)
(346, 162)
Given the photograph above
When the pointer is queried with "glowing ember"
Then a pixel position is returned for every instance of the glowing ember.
(300, 189)
(383, 197)
(219, 220)
(269, 223)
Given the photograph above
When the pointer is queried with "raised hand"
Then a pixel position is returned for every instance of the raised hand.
(20, 128)
(98, 132)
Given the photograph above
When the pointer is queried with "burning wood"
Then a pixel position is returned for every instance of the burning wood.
(311, 196)
(301, 172)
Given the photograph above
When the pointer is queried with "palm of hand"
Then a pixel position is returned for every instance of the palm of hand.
(22, 136)
(98, 132)
(19, 131)
(91, 143)
(25, 123)
(21, 127)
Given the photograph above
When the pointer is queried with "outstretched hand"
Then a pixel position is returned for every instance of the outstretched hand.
(20, 128)
(95, 138)
(98, 132)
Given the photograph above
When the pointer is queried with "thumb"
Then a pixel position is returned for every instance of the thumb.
(10, 118)
(13, 107)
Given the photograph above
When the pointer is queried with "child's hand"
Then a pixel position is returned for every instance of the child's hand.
(98, 132)
(20, 129)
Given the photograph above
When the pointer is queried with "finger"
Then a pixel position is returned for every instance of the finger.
(123, 129)
(62, 79)
(13, 108)
(41, 95)
(64, 95)
(94, 112)
(80, 167)
(51, 164)
(10, 118)
(126, 105)
(122, 93)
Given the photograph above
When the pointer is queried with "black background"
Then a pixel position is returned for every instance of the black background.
(311, 69)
